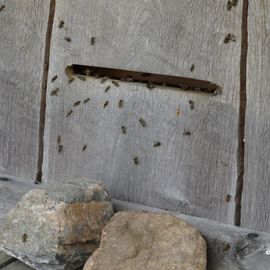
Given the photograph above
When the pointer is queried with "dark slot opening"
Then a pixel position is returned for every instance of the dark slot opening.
(150, 79)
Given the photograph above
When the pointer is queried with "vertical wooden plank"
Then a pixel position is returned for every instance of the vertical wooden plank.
(195, 169)
(22, 44)
(255, 205)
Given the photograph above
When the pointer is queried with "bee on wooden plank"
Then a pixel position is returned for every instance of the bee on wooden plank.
(229, 37)
(191, 104)
(229, 5)
(234, 3)
(2, 8)
(93, 40)
(69, 113)
(24, 237)
(187, 133)
(86, 100)
(157, 144)
(59, 139)
(115, 83)
(103, 80)
(142, 122)
(84, 147)
(178, 112)
(107, 88)
(124, 129)
(55, 92)
(228, 198)
(136, 160)
(77, 103)
(68, 39)
(70, 80)
(150, 86)
(121, 103)
(54, 78)
(61, 24)
(106, 104)
(192, 68)
(60, 148)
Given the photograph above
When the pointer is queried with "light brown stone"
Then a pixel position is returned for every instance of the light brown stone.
(58, 226)
(140, 241)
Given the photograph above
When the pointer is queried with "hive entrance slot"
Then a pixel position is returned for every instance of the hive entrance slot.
(150, 79)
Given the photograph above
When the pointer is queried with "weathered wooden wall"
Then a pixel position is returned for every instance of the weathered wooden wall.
(256, 203)
(197, 173)
(23, 27)
(198, 168)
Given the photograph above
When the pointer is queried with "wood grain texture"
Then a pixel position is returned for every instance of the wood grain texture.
(228, 247)
(189, 173)
(255, 204)
(22, 43)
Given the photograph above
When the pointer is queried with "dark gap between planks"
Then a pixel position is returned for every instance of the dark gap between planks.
(150, 79)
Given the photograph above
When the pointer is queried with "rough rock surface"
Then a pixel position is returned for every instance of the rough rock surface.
(141, 241)
(58, 226)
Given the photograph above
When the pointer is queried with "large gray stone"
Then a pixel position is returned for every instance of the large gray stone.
(58, 226)
(148, 241)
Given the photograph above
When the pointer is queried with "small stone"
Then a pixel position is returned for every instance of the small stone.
(58, 226)
(148, 241)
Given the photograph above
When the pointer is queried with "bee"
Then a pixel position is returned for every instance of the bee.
(192, 68)
(61, 24)
(84, 147)
(142, 122)
(228, 198)
(55, 92)
(136, 160)
(229, 5)
(121, 103)
(77, 103)
(226, 247)
(150, 86)
(107, 89)
(24, 237)
(103, 80)
(88, 72)
(229, 37)
(86, 100)
(93, 40)
(191, 103)
(234, 3)
(82, 78)
(68, 39)
(157, 144)
(2, 8)
(59, 139)
(124, 129)
(129, 79)
(69, 113)
(54, 78)
(216, 92)
(106, 104)
(115, 83)
(187, 133)
(70, 80)
(178, 112)
(60, 148)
